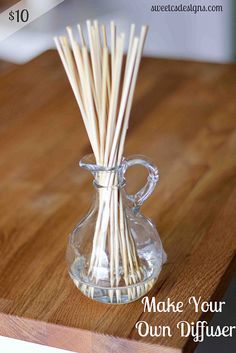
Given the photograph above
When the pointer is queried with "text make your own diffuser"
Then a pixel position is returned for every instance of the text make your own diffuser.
(114, 254)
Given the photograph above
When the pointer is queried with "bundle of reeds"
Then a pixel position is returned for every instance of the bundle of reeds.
(103, 82)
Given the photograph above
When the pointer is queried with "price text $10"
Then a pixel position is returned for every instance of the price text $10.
(19, 15)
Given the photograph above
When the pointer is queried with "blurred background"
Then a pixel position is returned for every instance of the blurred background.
(205, 36)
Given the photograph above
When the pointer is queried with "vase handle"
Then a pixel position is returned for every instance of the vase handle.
(152, 179)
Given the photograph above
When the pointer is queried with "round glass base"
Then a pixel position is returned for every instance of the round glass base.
(111, 295)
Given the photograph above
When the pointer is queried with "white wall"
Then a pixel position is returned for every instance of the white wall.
(201, 36)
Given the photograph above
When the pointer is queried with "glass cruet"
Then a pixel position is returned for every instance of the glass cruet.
(115, 254)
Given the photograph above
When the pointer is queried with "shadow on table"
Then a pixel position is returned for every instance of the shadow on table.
(226, 318)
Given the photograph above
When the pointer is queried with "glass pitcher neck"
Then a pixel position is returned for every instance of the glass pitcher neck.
(104, 177)
(109, 180)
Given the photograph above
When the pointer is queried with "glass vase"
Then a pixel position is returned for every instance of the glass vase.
(115, 254)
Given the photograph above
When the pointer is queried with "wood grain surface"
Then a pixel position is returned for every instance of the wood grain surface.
(184, 119)
(5, 67)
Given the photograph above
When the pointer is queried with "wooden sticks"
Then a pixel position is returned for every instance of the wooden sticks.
(104, 93)
(89, 73)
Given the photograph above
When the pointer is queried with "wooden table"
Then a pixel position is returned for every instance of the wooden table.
(184, 119)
